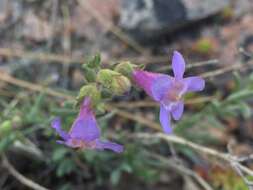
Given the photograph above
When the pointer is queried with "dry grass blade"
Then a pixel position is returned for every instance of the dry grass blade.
(33, 87)
(233, 67)
(22, 179)
(139, 104)
(64, 59)
(175, 139)
(45, 57)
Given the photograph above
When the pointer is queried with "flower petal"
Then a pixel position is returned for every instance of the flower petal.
(177, 110)
(178, 65)
(85, 129)
(109, 145)
(85, 107)
(161, 86)
(145, 79)
(56, 124)
(165, 120)
(194, 84)
(85, 126)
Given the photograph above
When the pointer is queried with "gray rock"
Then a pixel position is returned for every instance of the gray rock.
(10, 11)
(242, 7)
(148, 18)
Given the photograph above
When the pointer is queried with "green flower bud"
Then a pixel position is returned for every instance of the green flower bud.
(115, 82)
(91, 91)
(5, 128)
(90, 68)
(94, 62)
(89, 73)
(126, 68)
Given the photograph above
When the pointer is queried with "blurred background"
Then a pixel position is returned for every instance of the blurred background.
(43, 44)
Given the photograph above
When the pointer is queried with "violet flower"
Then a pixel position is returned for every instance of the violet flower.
(169, 91)
(84, 133)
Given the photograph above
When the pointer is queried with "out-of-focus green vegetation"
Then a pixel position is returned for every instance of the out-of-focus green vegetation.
(25, 128)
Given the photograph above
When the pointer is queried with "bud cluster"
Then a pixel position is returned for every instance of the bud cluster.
(105, 83)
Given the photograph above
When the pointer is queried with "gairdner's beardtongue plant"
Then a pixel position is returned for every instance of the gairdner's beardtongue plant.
(169, 91)
(102, 84)
(84, 133)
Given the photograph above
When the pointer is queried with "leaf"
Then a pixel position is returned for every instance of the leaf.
(4, 143)
(214, 122)
(187, 122)
(237, 80)
(215, 106)
(59, 154)
(251, 77)
(34, 114)
(63, 111)
(188, 152)
(245, 110)
(66, 186)
(7, 141)
(115, 176)
(89, 74)
(90, 156)
(148, 174)
(95, 62)
(126, 167)
(65, 167)
(239, 95)
(242, 108)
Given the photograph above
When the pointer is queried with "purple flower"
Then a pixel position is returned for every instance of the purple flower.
(84, 133)
(169, 91)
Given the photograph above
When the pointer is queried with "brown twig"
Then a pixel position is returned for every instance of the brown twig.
(22, 179)
(235, 166)
(39, 56)
(211, 152)
(233, 67)
(192, 65)
(33, 87)
(139, 104)
(133, 117)
(64, 59)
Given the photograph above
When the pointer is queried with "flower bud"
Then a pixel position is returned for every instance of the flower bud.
(126, 68)
(89, 74)
(91, 91)
(90, 68)
(94, 62)
(115, 82)
(5, 128)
